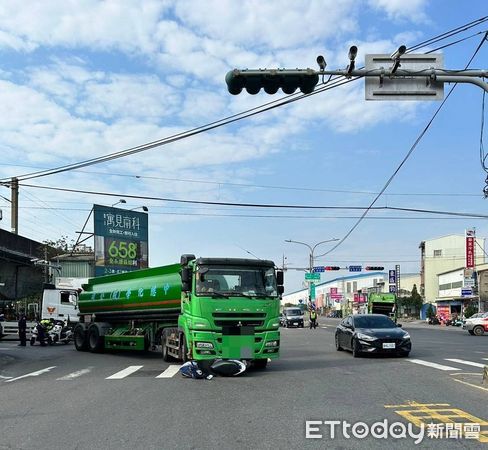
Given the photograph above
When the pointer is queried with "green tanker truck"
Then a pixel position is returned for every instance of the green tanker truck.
(200, 309)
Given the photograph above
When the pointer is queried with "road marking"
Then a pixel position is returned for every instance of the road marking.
(323, 327)
(32, 374)
(431, 364)
(170, 372)
(462, 361)
(6, 378)
(472, 385)
(424, 414)
(73, 375)
(9, 348)
(124, 373)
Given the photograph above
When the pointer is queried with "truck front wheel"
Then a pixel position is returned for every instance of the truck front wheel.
(164, 349)
(81, 341)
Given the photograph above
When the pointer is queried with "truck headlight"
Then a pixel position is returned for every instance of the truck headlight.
(204, 345)
(271, 344)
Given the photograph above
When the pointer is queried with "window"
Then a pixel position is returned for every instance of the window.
(437, 253)
(348, 288)
(354, 286)
(67, 297)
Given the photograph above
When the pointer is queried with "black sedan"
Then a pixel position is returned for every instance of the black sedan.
(372, 333)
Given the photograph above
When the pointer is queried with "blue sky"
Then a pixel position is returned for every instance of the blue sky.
(82, 79)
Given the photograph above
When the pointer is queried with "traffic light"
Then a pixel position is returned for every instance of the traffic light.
(332, 268)
(374, 268)
(271, 80)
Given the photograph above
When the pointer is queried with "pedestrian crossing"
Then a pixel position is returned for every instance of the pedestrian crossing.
(452, 364)
(169, 372)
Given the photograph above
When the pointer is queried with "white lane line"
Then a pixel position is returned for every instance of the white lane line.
(468, 363)
(170, 372)
(4, 377)
(32, 374)
(124, 373)
(73, 375)
(431, 364)
(7, 348)
(323, 327)
(486, 359)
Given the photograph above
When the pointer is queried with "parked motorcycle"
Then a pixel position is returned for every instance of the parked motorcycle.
(434, 321)
(41, 334)
(60, 333)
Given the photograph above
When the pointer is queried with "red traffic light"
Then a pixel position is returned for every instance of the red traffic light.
(332, 268)
(374, 268)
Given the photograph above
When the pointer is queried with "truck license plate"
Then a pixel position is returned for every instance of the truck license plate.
(388, 345)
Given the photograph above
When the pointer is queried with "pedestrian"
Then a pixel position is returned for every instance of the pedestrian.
(22, 328)
(313, 319)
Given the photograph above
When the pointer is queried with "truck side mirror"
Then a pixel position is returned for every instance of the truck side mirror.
(186, 279)
(279, 278)
(281, 289)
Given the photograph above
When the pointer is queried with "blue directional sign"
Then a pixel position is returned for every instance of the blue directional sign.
(466, 292)
(355, 268)
(392, 289)
(319, 269)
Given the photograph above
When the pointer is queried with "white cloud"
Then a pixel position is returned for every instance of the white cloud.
(401, 9)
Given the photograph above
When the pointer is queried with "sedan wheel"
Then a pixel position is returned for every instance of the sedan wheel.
(355, 349)
(478, 330)
(338, 347)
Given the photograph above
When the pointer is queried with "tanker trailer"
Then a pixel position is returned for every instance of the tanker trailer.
(200, 309)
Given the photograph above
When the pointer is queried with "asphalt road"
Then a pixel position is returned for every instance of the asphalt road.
(58, 398)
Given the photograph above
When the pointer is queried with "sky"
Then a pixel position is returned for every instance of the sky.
(83, 79)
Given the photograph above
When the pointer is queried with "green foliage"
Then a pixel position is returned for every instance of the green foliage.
(55, 248)
(430, 311)
(470, 310)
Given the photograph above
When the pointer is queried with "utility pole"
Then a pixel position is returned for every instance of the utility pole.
(14, 218)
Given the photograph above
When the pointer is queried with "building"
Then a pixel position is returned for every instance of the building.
(460, 288)
(442, 255)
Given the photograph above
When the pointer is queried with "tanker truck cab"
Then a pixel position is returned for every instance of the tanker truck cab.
(230, 309)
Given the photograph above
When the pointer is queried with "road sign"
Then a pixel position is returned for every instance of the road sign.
(312, 276)
(466, 292)
(319, 269)
(312, 291)
(355, 268)
(407, 87)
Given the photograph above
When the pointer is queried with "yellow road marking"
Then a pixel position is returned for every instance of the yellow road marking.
(435, 413)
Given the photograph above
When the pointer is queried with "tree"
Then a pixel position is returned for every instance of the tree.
(470, 310)
(51, 249)
(430, 311)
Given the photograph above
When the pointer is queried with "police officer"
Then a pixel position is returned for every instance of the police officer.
(313, 319)
(22, 324)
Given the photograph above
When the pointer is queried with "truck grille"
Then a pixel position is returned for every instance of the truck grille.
(239, 323)
(228, 315)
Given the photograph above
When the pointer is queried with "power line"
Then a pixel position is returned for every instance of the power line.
(260, 205)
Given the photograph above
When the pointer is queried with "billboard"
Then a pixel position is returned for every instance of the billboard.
(121, 240)
(470, 251)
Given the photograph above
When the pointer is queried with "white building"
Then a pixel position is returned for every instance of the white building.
(442, 255)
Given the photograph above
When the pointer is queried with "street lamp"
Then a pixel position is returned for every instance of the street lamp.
(311, 256)
(144, 208)
(311, 248)
(120, 201)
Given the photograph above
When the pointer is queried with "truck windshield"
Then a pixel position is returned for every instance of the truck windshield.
(251, 281)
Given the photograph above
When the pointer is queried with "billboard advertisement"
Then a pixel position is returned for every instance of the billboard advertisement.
(121, 240)
(470, 251)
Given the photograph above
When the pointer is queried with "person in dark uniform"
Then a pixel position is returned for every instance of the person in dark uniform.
(22, 328)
